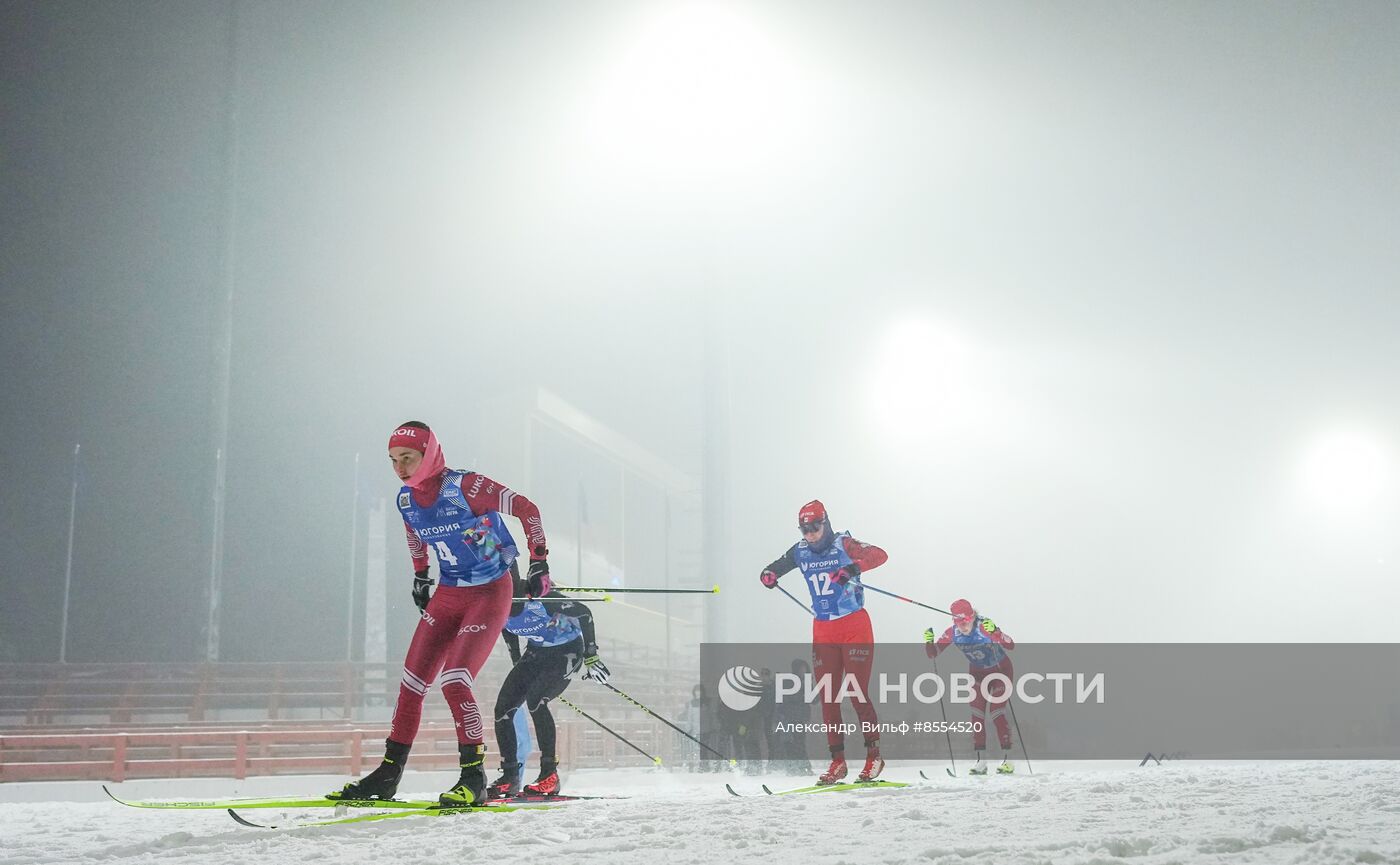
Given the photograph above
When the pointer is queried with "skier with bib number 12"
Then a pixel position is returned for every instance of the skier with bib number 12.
(843, 640)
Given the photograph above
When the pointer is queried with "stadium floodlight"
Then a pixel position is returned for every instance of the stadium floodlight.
(921, 381)
(1346, 470)
(692, 90)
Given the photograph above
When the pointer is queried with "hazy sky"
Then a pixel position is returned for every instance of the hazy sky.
(1084, 311)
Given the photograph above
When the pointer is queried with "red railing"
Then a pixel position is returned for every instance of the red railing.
(121, 755)
(119, 721)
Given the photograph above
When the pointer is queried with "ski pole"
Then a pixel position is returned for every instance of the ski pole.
(908, 600)
(1012, 706)
(639, 705)
(620, 737)
(946, 732)
(710, 591)
(794, 600)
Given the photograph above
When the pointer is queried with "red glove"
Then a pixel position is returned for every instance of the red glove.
(846, 574)
(768, 579)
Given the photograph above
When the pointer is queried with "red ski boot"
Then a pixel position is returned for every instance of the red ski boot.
(835, 772)
(546, 785)
(874, 765)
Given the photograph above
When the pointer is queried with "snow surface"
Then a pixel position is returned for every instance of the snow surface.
(1314, 813)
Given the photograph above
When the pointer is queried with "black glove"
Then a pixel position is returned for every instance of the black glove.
(594, 668)
(421, 584)
(538, 584)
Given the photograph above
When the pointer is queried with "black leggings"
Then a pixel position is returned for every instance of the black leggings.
(541, 675)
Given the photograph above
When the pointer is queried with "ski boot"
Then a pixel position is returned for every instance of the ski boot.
(547, 784)
(507, 785)
(470, 788)
(835, 772)
(1005, 768)
(383, 782)
(874, 764)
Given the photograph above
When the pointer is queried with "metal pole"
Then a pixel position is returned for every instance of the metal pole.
(624, 740)
(68, 570)
(713, 590)
(634, 701)
(216, 558)
(794, 600)
(350, 572)
(666, 568)
(223, 343)
(1012, 706)
(906, 600)
(947, 731)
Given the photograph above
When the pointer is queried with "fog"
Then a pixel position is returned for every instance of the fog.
(1085, 312)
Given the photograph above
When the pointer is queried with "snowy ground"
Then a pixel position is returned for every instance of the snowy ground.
(1311, 813)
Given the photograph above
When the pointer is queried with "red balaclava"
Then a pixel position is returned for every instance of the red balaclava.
(425, 481)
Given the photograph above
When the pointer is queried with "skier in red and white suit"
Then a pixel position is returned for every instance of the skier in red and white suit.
(459, 516)
(985, 645)
(843, 641)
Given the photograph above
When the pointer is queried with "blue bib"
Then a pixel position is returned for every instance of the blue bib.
(471, 548)
(541, 628)
(981, 652)
(830, 600)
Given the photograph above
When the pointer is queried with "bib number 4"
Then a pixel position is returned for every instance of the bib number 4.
(443, 553)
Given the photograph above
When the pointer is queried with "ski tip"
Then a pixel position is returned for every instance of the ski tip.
(235, 815)
(951, 773)
(922, 775)
(766, 790)
(730, 788)
(109, 794)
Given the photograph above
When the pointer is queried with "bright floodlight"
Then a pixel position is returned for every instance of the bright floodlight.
(921, 380)
(1346, 470)
(691, 86)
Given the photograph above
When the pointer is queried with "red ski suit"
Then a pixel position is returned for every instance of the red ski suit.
(459, 627)
(844, 645)
(985, 631)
